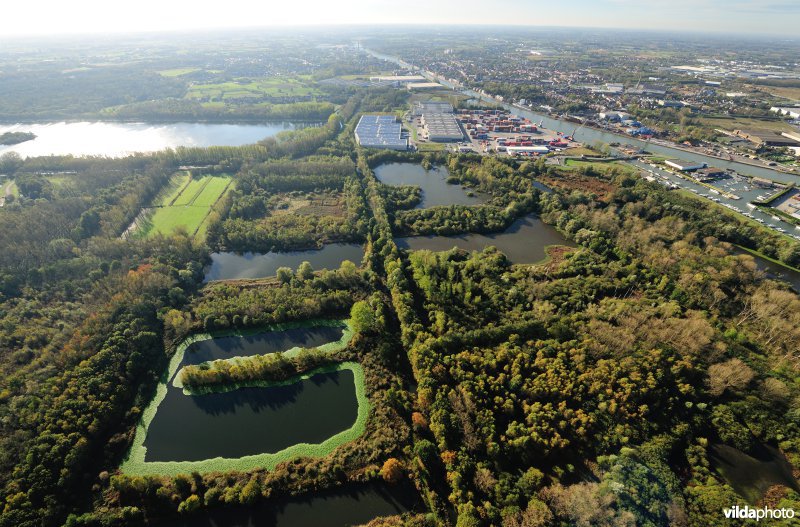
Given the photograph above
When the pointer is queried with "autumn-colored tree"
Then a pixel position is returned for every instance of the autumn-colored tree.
(729, 375)
(392, 470)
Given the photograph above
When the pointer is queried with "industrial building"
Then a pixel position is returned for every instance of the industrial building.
(793, 113)
(398, 79)
(684, 166)
(381, 131)
(765, 138)
(421, 108)
(535, 150)
(795, 136)
(439, 122)
(416, 86)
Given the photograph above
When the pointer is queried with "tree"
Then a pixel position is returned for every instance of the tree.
(10, 162)
(251, 491)
(305, 271)
(362, 318)
(392, 470)
(733, 374)
(285, 274)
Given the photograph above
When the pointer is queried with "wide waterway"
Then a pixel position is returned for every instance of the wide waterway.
(119, 139)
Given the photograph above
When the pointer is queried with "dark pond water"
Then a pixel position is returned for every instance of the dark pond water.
(435, 189)
(523, 242)
(337, 508)
(251, 421)
(231, 266)
(751, 475)
(774, 270)
(262, 343)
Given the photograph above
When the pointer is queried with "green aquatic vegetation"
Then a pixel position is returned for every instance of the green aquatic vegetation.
(135, 463)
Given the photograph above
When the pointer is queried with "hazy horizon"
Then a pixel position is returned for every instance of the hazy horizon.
(92, 17)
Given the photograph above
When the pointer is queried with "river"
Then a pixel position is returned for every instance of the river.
(590, 135)
(120, 139)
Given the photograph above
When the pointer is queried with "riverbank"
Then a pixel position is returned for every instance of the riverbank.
(765, 257)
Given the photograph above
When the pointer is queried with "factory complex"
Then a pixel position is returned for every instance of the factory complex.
(438, 122)
(381, 131)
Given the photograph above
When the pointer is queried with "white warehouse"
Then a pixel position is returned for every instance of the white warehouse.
(380, 131)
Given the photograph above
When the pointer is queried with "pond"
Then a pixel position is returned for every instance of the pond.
(333, 508)
(250, 421)
(433, 182)
(236, 427)
(262, 343)
(120, 139)
(751, 475)
(524, 242)
(232, 266)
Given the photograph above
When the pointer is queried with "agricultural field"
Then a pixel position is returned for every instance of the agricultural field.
(185, 202)
(252, 89)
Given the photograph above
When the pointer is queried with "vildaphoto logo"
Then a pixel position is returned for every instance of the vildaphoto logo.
(757, 514)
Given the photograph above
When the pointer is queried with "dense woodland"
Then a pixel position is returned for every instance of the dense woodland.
(590, 389)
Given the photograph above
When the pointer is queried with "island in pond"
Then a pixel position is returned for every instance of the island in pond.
(15, 138)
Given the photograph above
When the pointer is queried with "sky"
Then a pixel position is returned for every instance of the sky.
(53, 17)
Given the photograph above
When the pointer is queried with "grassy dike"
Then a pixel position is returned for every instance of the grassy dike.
(135, 463)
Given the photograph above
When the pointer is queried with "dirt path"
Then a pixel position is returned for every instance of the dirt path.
(6, 193)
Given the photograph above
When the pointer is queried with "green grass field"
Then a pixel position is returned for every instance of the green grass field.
(252, 89)
(185, 202)
(173, 189)
(166, 220)
(600, 166)
(745, 123)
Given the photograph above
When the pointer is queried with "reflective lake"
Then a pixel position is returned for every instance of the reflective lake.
(433, 182)
(120, 139)
(251, 421)
(334, 508)
(231, 266)
(523, 242)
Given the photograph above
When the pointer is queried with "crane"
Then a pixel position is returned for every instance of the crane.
(571, 137)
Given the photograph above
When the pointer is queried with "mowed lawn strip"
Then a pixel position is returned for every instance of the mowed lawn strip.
(212, 191)
(189, 208)
(191, 191)
(173, 189)
(167, 219)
